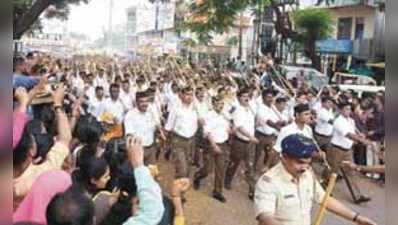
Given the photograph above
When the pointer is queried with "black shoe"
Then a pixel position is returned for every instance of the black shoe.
(167, 154)
(251, 196)
(362, 199)
(219, 197)
(196, 184)
(183, 200)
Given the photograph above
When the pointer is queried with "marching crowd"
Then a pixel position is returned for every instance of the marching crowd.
(89, 133)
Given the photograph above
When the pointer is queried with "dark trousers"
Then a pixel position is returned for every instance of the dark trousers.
(323, 141)
(266, 144)
(217, 162)
(335, 157)
(241, 151)
(182, 154)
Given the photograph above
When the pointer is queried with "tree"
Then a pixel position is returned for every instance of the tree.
(26, 14)
(212, 16)
(312, 24)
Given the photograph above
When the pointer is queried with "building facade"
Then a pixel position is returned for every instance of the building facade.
(360, 24)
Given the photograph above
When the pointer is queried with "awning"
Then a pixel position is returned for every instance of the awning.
(381, 65)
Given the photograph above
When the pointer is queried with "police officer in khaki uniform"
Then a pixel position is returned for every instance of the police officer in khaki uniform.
(285, 194)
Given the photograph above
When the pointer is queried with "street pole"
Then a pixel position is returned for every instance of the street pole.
(240, 35)
(110, 28)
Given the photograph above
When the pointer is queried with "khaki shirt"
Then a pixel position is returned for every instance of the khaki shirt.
(290, 203)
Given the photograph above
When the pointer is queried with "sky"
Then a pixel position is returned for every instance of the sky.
(91, 18)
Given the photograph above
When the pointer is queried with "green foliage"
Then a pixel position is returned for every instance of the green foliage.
(213, 16)
(313, 23)
(232, 41)
(189, 42)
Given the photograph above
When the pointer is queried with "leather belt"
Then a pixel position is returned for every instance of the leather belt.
(341, 148)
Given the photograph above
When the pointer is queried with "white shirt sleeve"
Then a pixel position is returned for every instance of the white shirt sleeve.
(279, 139)
(323, 116)
(238, 118)
(129, 124)
(171, 120)
(341, 127)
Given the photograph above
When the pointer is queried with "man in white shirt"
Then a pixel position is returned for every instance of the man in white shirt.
(77, 82)
(268, 125)
(94, 104)
(217, 128)
(126, 95)
(89, 89)
(182, 124)
(300, 125)
(101, 80)
(202, 107)
(324, 123)
(344, 135)
(114, 105)
(244, 142)
(141, 122)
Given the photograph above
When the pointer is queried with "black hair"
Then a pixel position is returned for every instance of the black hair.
(70, 208)
(280, 100)
(20, 153)
(118, 78)
(343, 104)
(99, 88)
(113, 85)
(244, 90)
(119, 212)
(17, 60)
(267, 92)
(301, 108)
(89, 168)
(326, 98)
(88, 130)
(126, 81)
(44, 141)
(141, 94)
(186, 89)
(126, 179)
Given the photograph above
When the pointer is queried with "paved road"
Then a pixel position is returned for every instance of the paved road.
(201, 209)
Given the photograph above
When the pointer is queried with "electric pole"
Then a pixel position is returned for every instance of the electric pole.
(110, 25)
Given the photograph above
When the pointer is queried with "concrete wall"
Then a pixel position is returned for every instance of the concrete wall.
(355, 12)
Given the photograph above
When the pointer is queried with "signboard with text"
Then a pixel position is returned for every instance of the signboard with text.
(334, 46)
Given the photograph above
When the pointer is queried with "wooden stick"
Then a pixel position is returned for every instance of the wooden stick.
(322, 209)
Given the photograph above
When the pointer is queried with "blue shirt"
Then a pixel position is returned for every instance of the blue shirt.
(151, 207)
(19, 80)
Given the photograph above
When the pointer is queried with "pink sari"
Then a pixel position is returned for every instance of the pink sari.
(34, 205)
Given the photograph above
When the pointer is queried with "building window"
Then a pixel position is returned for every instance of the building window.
(344, 28)
(359, 27)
